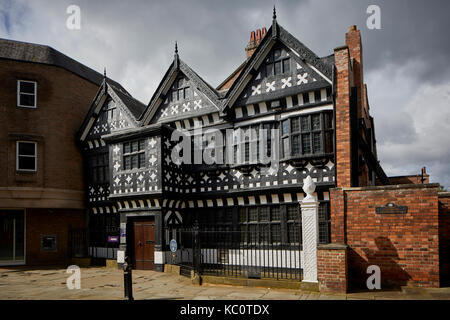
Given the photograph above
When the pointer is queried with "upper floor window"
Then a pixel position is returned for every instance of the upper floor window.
(134, 155)
(110, 111)
(99, 169)
(308, 134)
(26, 159)
(277, 63)
(180, 90)
(26, 94)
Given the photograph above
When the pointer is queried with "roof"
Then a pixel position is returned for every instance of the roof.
(277, 33)
(177, 66)
(235, 73)
(135, 106)
(38, 53)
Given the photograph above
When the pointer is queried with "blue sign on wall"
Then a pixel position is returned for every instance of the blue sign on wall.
(173, 245)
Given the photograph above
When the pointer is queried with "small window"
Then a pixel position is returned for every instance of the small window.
(276, 64)
(26, 156)
(180, 90)
(26, 93)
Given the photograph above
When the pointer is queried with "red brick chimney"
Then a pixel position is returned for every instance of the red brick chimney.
(353, 41)
(255, 39)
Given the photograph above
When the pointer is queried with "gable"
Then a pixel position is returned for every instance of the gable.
(183, 100)
(281, 73)
(111, 118)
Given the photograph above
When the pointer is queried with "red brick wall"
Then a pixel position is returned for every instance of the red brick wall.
(50, 222)
(332, 268)
(63, 100)
(444, 237)
(412, 179)
(404, 246)
(342, 132)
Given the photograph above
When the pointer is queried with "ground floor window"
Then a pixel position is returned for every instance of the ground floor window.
(270, 224)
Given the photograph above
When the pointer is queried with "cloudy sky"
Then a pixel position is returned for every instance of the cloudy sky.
(406, 63)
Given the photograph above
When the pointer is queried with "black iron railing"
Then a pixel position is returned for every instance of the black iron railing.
(238, 253)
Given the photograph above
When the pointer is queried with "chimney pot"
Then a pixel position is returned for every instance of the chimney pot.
(352, 28)
(264, 31)
(258, 35)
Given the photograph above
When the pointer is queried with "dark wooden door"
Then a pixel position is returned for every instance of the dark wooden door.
(144, 244)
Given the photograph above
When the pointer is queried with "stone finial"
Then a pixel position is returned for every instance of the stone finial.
(308, 187)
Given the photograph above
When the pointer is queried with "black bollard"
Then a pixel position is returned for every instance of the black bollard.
(127, 280)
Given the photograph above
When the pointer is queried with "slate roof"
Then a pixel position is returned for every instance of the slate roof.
(135, 106)
(324, 65)
(38, 53)
(179, 65)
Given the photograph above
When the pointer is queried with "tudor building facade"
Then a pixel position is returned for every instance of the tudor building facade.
(139, 195)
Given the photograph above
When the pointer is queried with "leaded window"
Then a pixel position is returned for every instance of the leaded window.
(308, 134)
(98, 168)
(277, 62)
(180, 90)
(134, 155)
(261, 224)
(247, 142)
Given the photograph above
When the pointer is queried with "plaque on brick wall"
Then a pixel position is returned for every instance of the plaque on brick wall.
(391, 208)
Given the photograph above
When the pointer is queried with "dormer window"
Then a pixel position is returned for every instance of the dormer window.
(277, 63)
(26, 94)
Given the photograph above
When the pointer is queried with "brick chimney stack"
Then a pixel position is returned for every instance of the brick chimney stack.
(353, 41)
(255, 39)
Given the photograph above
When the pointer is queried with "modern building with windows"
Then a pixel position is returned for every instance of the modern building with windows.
(44, 98)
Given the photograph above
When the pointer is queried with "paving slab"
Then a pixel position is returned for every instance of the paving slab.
(107, 284)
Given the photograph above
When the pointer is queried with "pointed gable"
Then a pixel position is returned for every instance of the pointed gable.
(113, 109)
(181, 94)
(184, 99)
(281, 65)
(282, 73)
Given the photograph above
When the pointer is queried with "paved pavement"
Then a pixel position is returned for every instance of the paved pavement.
(106, 284)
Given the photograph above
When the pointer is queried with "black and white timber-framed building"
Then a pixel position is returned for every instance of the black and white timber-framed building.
(135, 190)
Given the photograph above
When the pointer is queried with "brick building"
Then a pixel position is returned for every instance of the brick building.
(44, 98)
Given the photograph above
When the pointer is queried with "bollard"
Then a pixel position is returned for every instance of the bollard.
(127, 280)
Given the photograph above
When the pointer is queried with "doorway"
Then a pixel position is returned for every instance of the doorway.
(144, 243)
(12, 237)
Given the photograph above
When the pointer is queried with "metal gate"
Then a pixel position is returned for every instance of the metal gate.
(77, 243)
(236, 253)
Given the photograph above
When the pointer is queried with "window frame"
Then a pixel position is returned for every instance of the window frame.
(132, 153)
(97, 167)
(322, 130)
(248, 139)
(19, 81)
(176, 89)
(28, 156)
(271, 61)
